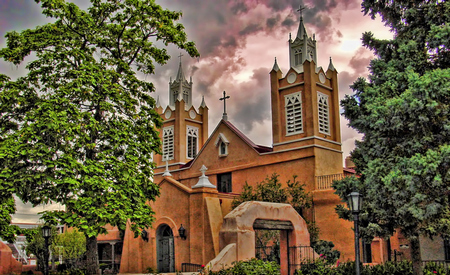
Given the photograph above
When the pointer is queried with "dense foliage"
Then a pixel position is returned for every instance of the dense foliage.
(80, 128)
(251, 267)
(389, 268)
(403, 111)
(326, 251)
(71, 245)
(272, 190)
(35, 243)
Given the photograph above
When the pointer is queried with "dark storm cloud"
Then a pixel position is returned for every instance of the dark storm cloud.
(252, 28)
(239, 7)
(271, 22)
(255, 93)
(288, 22)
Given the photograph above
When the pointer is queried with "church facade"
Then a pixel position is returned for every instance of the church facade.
(199, 174)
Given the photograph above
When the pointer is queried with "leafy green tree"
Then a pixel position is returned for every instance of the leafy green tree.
(403, 112)
(71, 245)
(7, 208)
(80, 128)
(35, 243)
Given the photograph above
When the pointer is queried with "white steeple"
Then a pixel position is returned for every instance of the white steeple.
(303, 47)
(180, 88)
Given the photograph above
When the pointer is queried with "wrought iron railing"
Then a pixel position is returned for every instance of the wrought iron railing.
(299, 255)
(324, 182)
(442, 263)
(188, 267)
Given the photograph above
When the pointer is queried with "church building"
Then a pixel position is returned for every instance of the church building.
(199, 174)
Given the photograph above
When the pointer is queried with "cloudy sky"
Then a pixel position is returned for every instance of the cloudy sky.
(238, 41)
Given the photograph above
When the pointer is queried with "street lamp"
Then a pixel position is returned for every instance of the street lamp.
(355, 203)
(46, 233)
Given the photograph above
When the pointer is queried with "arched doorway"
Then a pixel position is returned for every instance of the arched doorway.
(165, 249)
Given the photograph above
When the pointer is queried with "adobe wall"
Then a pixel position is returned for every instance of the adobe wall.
(237, 236)
(8, 264)
(332, 228)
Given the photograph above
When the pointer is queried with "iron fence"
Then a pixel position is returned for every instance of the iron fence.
(188, 267)
(299, 255)
(442, 263)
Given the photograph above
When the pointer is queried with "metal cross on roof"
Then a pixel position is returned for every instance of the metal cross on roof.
(224, 98)
(301, 9)
(180, 57)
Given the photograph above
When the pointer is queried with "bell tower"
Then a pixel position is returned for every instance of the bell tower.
(305, 104)
(185, 128)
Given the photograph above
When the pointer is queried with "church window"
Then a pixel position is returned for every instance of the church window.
(222, 143)
(224, 183)
(298, 57)
(311, 55)
(175, 96)
(324, 118)
(168, 143)
(293, 108)
(223, 149)
(186, 96)
(192, 141)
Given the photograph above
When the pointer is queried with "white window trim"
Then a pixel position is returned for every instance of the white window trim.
(168, 131)
(325, 124)
(188, 130)
(221, 139)
(287, 99)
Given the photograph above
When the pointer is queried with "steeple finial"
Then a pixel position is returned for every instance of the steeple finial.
(331, 66)
(301, 28)
(157, 102)
(224, 98)
(275, 66)
(180, 74)
(203, 104)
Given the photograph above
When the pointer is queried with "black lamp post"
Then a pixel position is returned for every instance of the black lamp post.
(46, 233)
(182, 232)
(355, 203)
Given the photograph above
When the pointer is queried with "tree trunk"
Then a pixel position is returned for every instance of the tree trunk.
(415, 255)
(92, 266)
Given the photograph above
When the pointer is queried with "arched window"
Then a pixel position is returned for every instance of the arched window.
(186, 96)
(168, 143)
(192, 141)
(293, 109)
(324, 119)
(298, 57)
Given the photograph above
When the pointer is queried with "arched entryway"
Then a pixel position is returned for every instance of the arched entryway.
(165, 249)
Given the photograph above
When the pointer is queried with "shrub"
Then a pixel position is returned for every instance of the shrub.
(251, 267)
(326, 251)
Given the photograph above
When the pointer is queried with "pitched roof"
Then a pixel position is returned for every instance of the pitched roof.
(258, 148)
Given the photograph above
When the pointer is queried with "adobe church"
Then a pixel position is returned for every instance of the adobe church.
(200, 175)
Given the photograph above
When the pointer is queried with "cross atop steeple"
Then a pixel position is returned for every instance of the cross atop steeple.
(224, 98)
(180, 57)
(300, 10)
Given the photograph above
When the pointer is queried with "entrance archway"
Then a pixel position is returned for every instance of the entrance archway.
(237, 235)
(165, 249)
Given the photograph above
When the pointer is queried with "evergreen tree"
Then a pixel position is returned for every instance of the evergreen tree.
(403, 112)
(80, 128)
